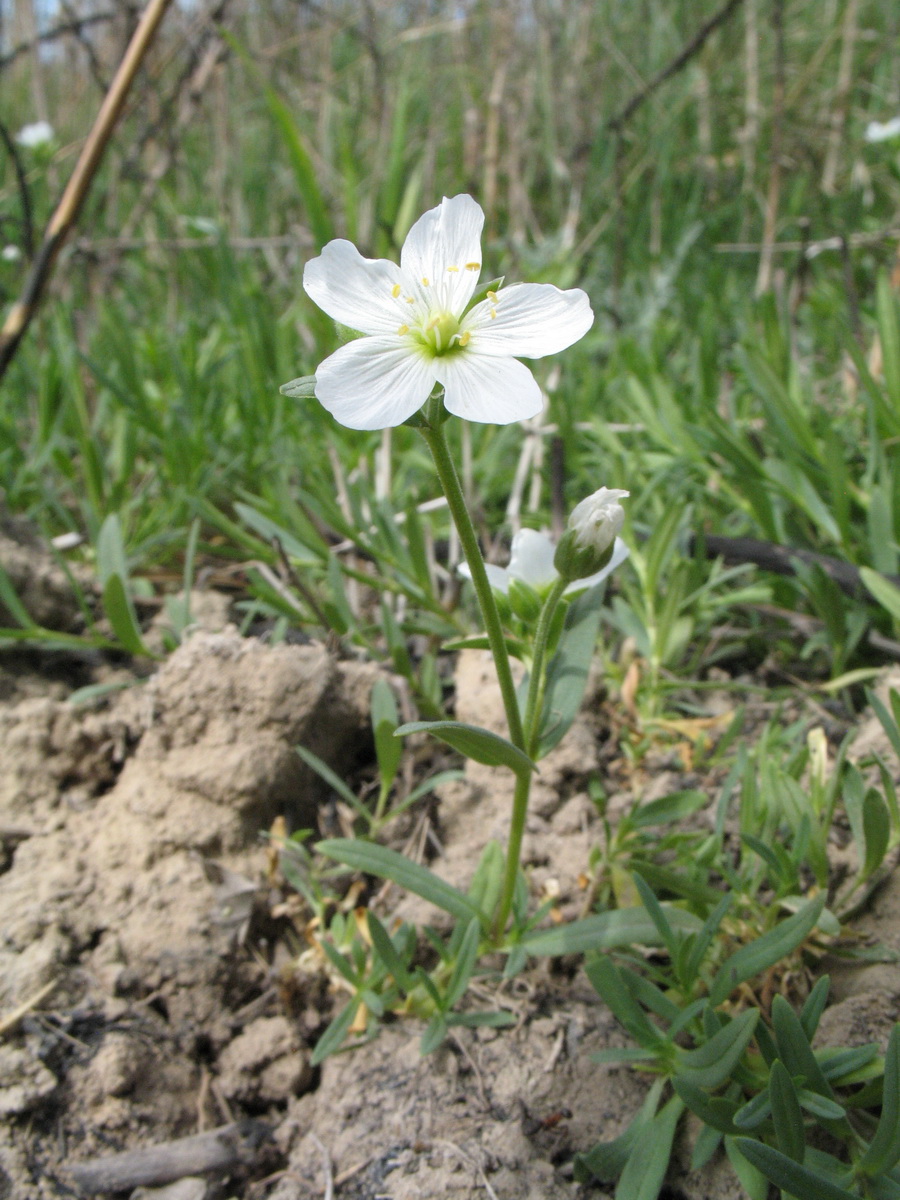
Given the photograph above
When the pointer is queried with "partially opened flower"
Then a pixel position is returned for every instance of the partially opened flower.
(531, 561)
(589, 540)
(420, 331)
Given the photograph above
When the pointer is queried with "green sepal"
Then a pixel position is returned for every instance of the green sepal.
(303, 388)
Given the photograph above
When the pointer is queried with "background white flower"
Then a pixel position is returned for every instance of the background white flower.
(878, 131)
(531, 561)
(419, 332)
(36, 134)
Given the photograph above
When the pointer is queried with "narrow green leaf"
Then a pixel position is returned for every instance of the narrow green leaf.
(888, 721)
(465, 965)
(333, 1037)
(814, 1006)
(646, 1168)
(714, 1111)
(752, 1179)
(384, 947)
(766, 950)
(385, 719)
(609, 985)
(119, 609)
(795, 1179)
(388, 864)
(434, 1035)
(705, 937)
(12, 603)
(333, 780)
(474, 742)
(603, 931)
(711, 1064)
(606, 1161)
(884, 1150)
(786, 1114)
(889, 333)
(657, 915)
(666, 809)
(754, 1112)
(876, 831)
(271, 531)
(819, 1106)
(885, 592)
(794, 1049)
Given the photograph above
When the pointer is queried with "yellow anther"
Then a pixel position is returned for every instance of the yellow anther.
(395, 290)
(403, 329)
(426, 280)
(453, 268)
(410, 300)
(493, 314)
(492, 296)
(473, 266)
(464, 338)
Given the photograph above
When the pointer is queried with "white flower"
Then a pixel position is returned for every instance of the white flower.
(418, 332)
(34, 135)
(10, 253)
(876, 131)
(531, 561)
(591, 532)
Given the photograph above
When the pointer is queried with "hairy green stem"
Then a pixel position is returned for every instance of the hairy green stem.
(446, 469)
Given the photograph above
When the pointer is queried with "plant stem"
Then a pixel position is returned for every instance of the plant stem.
(532, 729)
(437, 444)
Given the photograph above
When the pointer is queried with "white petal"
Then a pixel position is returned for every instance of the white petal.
(532, 319)
(374, 382)
(358, 292)
(497, 577)
(494, 391)
(531, 558)
(619, 554)
(444, 249)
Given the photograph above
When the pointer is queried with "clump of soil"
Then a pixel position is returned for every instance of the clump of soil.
(133, 867)
(138, 936)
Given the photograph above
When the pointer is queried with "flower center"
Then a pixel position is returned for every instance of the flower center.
(438, 333)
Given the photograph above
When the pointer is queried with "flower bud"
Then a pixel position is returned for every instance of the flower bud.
(587, 544)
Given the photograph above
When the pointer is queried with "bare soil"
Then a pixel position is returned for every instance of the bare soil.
(149, 980)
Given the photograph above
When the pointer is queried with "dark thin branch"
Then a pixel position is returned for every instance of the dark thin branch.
(24, 193)
(681, 59)
(781, 559)
(64, 29)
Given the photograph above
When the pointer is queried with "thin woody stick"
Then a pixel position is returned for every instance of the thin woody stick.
(67, 210)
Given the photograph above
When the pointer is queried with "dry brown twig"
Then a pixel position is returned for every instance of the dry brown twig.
(66, 214)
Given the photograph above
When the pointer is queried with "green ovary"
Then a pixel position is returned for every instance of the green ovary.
(440, 334)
